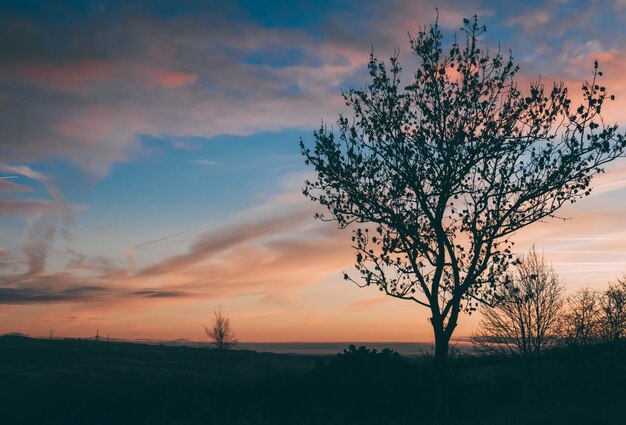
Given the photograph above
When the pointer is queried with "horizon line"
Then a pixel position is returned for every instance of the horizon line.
(60, 337)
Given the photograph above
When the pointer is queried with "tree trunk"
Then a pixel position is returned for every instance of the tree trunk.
(442, 402)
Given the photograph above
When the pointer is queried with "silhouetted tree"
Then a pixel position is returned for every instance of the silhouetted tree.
(580, 321)
(613, 312)
(220, 333)
(525, 318)
(438, 174)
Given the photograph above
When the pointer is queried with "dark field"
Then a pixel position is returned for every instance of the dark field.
(96, 382)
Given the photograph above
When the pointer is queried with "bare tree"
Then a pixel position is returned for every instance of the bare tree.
(525, 318)
(435, 176)
(220, 333)
(580, 323)
(613, 312)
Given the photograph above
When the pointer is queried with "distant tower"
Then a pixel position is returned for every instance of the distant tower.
(50, 333)
(97, 334)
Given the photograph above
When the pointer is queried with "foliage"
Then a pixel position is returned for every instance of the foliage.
(435, 176)
(358, 360)
(367, 385)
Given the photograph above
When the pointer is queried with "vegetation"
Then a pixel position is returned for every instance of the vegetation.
(77, 382)
(613, 312)
(525, 318)
(220, 333)
(435, 176)
(594, 317)
(580, 322)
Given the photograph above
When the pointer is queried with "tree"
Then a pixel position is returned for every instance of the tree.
(613, 312)
(525, 319)
(220, 333)
(434, 177)
(580, 322)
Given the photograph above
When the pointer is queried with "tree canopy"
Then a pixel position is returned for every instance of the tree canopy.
(435, 176)
(220, 332)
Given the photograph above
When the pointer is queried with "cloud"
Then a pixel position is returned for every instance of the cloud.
(199, 72)
(46, 181)
(203, 73)
(50, 216)
(212, 243)
(207, 162)
(368, 303)
(9, 186)
(273, 268)
(130, 252)
(32, 295)
(23, 206)
(267, 251)
(80, 294)
(64, 76)
(151, 293)
(175, 79)
(38, 243)
(613, 179)
(133, 75)
(532, 20)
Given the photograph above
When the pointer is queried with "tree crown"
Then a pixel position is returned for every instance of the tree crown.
(221, 333)
(436, 175)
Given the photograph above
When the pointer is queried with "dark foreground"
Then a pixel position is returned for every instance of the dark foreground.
(90, 382)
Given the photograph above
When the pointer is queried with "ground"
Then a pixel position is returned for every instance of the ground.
(98, 382)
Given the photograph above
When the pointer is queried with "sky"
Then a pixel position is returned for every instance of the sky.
(150, 168)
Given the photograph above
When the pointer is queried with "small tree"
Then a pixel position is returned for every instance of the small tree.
(613, 312)
(580, 321)
(435, 176)
(220, 333)
(526, 316)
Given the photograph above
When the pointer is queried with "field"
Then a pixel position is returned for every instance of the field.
(97, 382)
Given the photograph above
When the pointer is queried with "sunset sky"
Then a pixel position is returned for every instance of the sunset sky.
(150, 167)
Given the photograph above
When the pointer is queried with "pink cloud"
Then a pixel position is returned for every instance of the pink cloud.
(212, 243)
(269, 256)
(531, 21)
(175, 79)
(186, 50)
(20, 207)
(110, 98)
(78, 128)
(64, 76)
(271, 269)
(74, 76)
(368, 303)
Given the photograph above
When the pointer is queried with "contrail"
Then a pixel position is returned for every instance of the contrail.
(130, 252)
